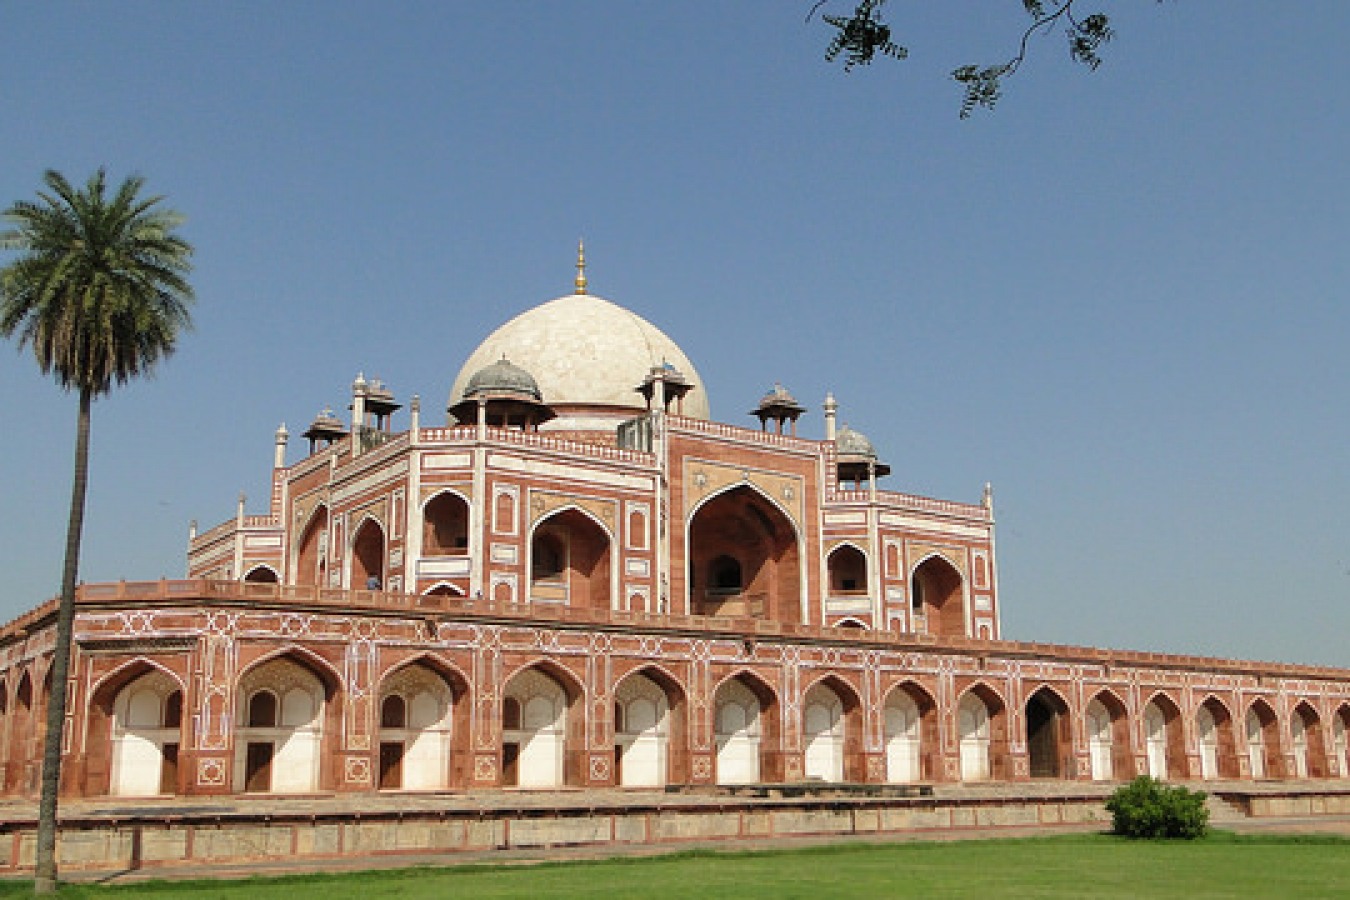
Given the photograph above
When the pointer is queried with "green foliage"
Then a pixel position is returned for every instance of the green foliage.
(1145, 808)
(99, 289)
(863, 34)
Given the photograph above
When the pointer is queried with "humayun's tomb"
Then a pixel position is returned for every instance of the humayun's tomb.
(571, 577)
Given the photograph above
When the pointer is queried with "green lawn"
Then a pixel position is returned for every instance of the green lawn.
(1080, 866)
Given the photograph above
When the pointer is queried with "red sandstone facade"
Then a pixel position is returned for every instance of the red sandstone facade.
(668, 600)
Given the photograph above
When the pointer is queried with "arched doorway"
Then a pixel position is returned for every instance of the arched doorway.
(741, 714)
(368, 555)
(417, 711)
(1101, 735)
(261, 574)
(1309, 748)
(21, 736)
(278, 747)
(570, 561)
(5, 726)
(937, 598)
(1163, 748)
(974, 729)
(145, 734)
(311, 556)
(1213, 731)
(537, 718)
(847, 568)
(740, 530)
(1340, 744)
(1263, 741)
(445, 525)
(823, 732)
(909, 728)
(643, 725)
(1048, 737)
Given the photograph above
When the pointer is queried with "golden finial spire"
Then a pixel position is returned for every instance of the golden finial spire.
(581, 267)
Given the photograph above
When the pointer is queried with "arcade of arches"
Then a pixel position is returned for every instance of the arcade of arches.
(290, 711)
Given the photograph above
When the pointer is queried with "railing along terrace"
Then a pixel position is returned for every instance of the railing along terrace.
(911, 503)
(534, 440)
(738, 433)
(188, 592)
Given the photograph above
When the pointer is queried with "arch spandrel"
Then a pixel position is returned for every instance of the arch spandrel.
(546, 504)
(704, 479)
(305, 506)
(429, 492)
(920, 552)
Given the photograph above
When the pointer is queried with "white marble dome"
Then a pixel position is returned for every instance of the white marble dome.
(583, 350)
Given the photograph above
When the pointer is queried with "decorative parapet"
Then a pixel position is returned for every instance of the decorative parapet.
(535, 441)
(681, 424)
(912, 503)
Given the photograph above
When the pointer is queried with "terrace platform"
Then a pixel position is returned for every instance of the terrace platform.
(125, 838)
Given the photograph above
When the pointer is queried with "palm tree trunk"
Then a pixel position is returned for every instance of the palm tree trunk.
(45, 882)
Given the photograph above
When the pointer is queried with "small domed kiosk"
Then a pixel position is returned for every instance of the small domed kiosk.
(508, 396)
(857, 458)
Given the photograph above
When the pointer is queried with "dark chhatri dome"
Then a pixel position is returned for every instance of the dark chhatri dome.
(503, 377)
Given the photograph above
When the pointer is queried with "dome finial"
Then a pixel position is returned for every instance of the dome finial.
(581, 267)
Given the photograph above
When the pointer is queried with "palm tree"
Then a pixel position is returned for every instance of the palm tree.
(99, 292)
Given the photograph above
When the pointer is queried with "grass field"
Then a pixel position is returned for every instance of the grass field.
(1078, 866)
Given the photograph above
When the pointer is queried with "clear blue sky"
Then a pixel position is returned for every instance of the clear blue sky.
(1120, 297)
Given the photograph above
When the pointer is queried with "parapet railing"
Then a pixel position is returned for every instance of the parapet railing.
(912, 503)
(737, 433)
(141, 594)
(536, 441)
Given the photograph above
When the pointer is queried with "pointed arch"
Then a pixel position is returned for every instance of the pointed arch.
(310, 567)
(832, 730)
(746, 727)
(1265, 752)
(262, 573)
(134, 731)
(324, 670)
(445, 523)
(1108, 734)
(4, 726)
(1214, 736)
(981, 729)
(1164, 737)
(847, 566)
(1340, 741)
(543, 727)
(1049, 734)
(938, 596)
(850, 622)
(21, 765)
(744, 523)
(650, 728)
(423, 716)
(1307, 742)
(911, 733)
(572, 560)
(368, 555)
(288, 712)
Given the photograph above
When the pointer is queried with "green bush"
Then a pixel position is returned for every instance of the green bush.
(1145, 808)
